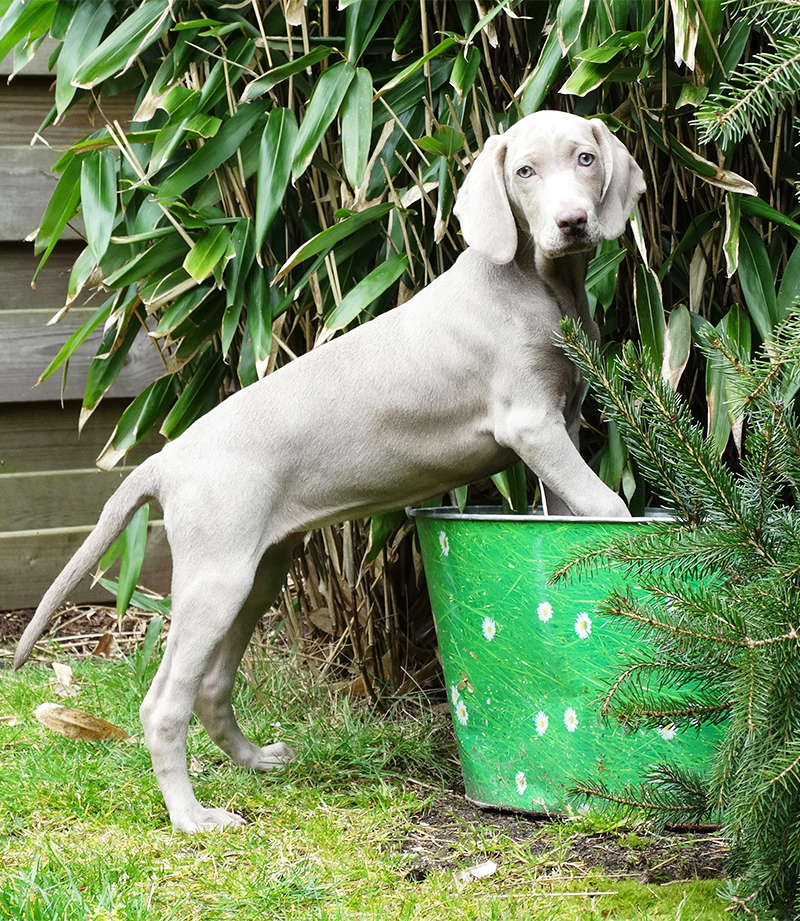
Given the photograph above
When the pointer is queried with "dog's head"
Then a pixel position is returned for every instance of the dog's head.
(564, 181)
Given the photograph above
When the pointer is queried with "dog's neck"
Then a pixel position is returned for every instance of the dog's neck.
(565, 276)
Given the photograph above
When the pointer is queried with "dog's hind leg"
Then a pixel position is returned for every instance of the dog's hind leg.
(206, 599)
(213, 705)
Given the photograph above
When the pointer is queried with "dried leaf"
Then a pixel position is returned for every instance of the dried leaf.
(107, 647)
(63, 684)
(75, 724)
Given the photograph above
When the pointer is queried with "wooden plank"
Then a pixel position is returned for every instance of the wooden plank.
(30, 561)
(27, 346)
(27, 181)
(55, 498)
(26, 102)
(44, 436)
(17, 265)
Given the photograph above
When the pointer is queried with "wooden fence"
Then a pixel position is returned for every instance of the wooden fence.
(50, 491)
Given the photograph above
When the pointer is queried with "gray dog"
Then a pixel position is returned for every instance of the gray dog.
(453, 386)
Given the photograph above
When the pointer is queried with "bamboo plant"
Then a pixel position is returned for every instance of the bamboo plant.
(289, 171)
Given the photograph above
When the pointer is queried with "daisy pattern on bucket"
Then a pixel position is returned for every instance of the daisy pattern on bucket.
(583, 625)
(544, 611)
(461, 712)
(489, 628)
(521, 782)
(444, 543)
(454, 694)
(541, 721)
(570, 719)
(667, 732)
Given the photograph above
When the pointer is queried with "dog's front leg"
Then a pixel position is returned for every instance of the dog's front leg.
(545, 446)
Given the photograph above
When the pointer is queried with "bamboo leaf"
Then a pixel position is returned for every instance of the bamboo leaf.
(274, 168)
(20, 17)
(757, 281)
(60, 209)
(119, 50)
(465, 71)
(677, 346)
(215, 152)
(84, 35)
(164, 251)
(404, 74)
(541, 81)
(789, 290)
(650, 311)
(244, 253)
(105, 367)
(198, 396)
(323, 107)
(757, 207)
(132, 558)
(137, 420)
(99, 199)
(357, 126)
(333, 235)
(366, 291)
(77, 339)
(262, 299)
(283, 72)
(201, 260)
(732, 223)
(362, 22)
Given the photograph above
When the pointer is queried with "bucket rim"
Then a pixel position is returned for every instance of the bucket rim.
(495, 513)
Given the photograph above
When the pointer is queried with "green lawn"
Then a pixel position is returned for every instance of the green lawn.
(84, 833)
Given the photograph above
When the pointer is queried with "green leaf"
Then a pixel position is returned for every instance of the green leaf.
(214, 152)
(277, 74)
(357, 126)
(199, 395)
(181, 308)
(59, 210)
(757, 281)
(244, 253)
(587, 76)
(133, 550)
(465, 70)
(138, 418)
(541, 81)
(732, 224)
(677, 346)
(99, 199)
(105, 367)
(85, 32)
(274, 168)
(78, 338)
(22, 17)
(333, 235)
(323, 107)
(202, 258)
(404, 74)
(362, 22)
(757, 207)
(163, 252)
(650, 311)
(120, 49)
(790, 284)
(366, 291)
(380, 530)
(261, 303)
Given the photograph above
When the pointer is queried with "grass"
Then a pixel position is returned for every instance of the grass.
(84, 833)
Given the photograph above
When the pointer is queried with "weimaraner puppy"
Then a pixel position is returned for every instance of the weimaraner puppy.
(455, 385)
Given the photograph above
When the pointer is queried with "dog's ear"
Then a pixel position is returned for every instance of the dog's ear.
(482, 206)
(623, 182)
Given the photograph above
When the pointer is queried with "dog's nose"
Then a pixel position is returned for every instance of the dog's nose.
(572, 222)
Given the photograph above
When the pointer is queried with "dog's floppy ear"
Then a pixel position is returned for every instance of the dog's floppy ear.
(482, 206)
(623, 182)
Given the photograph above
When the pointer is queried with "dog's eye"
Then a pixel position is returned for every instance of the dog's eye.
(525, 172)
(586, 159)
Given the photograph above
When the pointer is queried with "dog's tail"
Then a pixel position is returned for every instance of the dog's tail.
(139, 487)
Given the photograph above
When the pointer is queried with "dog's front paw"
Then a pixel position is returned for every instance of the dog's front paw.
(201, 819)
(271, 757)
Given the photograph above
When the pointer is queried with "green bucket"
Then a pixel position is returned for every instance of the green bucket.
(526, 663)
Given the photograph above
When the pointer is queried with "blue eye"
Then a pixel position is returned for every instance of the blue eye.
(586, 159)
(525, 172)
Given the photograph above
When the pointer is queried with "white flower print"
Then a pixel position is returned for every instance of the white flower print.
(583, 625)
(461, 713)
(489, 628)
(667, 732)
(444, 543)
(545, 611)
(454, 694)
(583, 809)
(570, 719)
(521, 782)
(541, 721)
